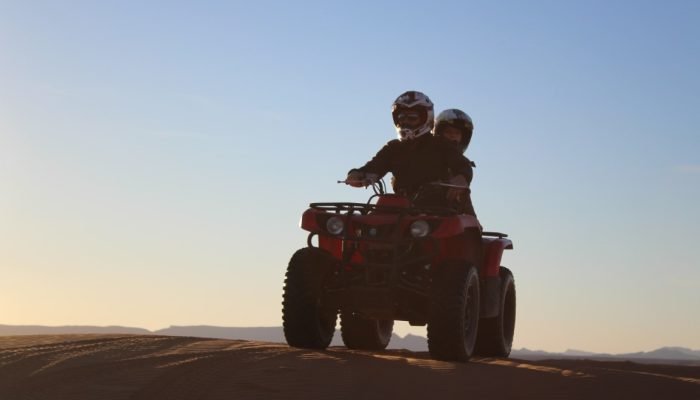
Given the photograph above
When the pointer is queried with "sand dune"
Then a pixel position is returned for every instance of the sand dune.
(162, 367)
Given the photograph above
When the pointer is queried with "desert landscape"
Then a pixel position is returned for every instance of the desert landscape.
(110, 367)
(189, 187)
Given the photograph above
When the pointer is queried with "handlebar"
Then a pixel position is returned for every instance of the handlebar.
(367, 182)
(377, 184)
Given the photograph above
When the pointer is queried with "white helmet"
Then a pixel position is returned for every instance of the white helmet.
(413, 115)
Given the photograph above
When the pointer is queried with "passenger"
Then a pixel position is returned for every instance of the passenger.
(456, 127)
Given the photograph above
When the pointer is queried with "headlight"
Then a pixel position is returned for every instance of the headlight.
(419, 228)
(335, 225)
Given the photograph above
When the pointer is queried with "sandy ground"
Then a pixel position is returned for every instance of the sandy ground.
(109, 367)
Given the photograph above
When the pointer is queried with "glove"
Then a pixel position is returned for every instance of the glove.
(355, 178)
(454, 194)
(370, 179)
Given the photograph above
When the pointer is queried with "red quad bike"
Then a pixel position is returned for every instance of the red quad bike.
(389, 260)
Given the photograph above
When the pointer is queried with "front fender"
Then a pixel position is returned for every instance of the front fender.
(309, 222)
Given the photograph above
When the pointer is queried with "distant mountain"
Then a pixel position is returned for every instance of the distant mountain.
(409, 342)
(527, 353)
(663, 354)
(577, 353)
(9, 330)
(275, 334)
(265, 334)
(666, 353)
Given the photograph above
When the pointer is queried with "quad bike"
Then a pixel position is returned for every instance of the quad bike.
(394, 259)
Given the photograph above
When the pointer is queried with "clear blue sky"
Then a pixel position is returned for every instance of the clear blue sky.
(155, 157)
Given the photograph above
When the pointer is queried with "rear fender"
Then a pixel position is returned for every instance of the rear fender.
(493, 252)
(465, 247)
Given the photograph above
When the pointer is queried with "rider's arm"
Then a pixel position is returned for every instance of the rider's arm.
(459, 164)
(462, 172)
(379, 165)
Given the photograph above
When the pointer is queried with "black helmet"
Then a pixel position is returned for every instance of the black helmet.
(413, 115)
(458, 119)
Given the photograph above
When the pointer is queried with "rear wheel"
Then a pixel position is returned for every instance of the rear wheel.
(495, 337)
(361, 333)
(454, 312)
(306, 322)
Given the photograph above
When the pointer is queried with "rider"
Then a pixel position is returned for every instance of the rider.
(457, 127)
(416, 157)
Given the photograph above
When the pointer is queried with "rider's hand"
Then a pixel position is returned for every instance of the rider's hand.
(355, 178)
(454, 194)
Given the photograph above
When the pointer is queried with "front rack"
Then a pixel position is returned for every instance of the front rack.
(365, 208)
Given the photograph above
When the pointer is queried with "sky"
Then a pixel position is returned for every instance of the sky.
(156, 157)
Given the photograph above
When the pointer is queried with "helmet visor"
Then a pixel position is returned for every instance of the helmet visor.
(410, 118)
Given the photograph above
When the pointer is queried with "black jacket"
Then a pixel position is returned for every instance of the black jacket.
(419, 161)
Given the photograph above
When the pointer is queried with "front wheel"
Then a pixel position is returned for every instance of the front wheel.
(454, 312)
(307, 324)
(496, 334)
(361, 333)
